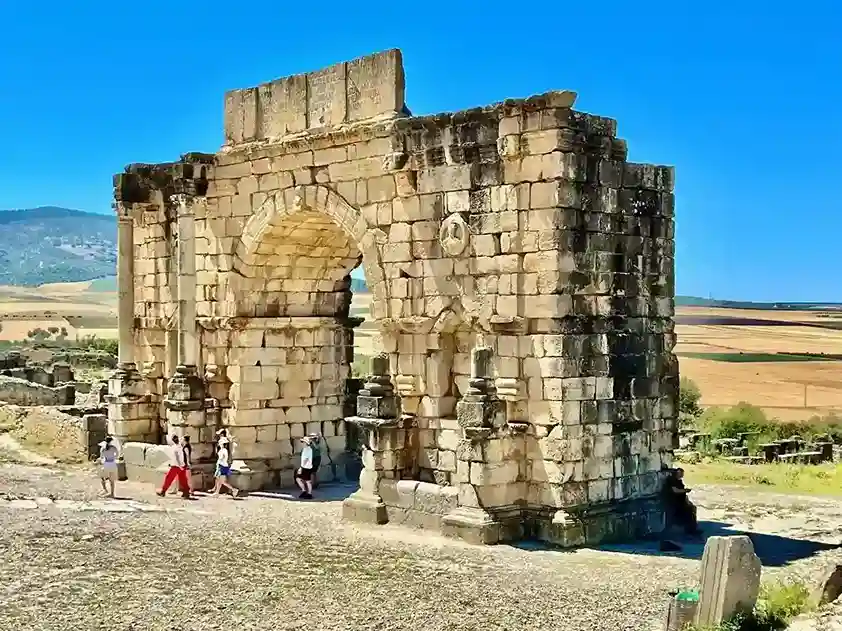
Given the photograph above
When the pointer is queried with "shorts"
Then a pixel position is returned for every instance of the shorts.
(222, 471)
(304, 474)
(108, 474)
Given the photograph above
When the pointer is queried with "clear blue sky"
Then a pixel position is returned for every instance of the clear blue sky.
(743, 97)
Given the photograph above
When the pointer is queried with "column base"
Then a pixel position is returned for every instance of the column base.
(473, 525)
(365, 508)
(124, 369)
(631, 520)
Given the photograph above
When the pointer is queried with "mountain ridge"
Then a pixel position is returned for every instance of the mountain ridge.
(53, 244)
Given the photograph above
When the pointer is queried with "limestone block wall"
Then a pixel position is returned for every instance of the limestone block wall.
(520, 226)
(277, 380)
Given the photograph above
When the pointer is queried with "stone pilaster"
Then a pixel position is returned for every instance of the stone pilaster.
(185, 400)
(131, 412)
(484, 477)
(125, 287)
(186, 261)
(383, 448)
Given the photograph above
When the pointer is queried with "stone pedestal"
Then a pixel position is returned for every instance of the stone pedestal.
(185, 405)
(486, 479)
(132, 415)
(383, 445)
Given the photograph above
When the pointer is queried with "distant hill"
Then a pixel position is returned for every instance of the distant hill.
(694, 301)
(50, 244)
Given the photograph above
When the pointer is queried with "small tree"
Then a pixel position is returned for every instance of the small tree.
(689, 396)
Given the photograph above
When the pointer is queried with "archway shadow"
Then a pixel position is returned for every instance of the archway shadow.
(325, 492)
(773, 550)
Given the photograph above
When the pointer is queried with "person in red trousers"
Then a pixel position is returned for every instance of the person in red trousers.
(177, 470)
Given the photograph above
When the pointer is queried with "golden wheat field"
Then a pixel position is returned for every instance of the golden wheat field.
(712, 343)
(74, 309)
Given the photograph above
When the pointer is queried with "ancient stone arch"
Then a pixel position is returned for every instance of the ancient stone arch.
(522, 272)
(309, 230)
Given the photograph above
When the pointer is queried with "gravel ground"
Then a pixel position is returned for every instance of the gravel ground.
(75, 562)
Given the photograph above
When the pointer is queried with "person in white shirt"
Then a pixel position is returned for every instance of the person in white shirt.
(177, 469)
(108, 454)
(223, 468)
(304, 473)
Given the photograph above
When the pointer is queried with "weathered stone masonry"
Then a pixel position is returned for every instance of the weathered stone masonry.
(522, 274)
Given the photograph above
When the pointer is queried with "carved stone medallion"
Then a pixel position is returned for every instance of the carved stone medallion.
(454, 235)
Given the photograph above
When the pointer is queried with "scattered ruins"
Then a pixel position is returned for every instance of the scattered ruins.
(746, 448)
(522, 273)
(54, 398)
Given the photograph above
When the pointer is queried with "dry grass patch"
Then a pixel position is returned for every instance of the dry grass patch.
(45, 431)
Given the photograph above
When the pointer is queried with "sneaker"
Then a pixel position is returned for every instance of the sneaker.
(235, 493)
(159, 493)
(302, 495)
(306, 496)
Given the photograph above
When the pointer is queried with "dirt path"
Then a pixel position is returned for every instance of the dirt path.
(269, 561)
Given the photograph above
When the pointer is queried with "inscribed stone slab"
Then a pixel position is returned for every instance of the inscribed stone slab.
(375, 85)
(326, 96)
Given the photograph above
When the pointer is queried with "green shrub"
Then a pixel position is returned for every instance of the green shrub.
(360, 367)
(729, 422)
(777, 605)
(744, 417)
(689, 397)
(92, 342)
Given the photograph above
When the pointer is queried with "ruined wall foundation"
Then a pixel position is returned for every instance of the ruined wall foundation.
(522, 280)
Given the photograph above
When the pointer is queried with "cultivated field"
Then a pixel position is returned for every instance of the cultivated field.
(743, 355)
(77, 308)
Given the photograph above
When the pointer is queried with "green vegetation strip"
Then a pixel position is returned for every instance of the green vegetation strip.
(736, 358)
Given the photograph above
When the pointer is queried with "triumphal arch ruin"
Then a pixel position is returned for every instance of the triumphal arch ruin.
(522, 280)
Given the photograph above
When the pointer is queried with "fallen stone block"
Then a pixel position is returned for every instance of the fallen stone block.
(730, 579)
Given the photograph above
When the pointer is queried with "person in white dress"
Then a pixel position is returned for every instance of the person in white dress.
(108, 454)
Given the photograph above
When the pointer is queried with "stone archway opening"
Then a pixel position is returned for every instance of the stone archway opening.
(300, 267)
(292, 349)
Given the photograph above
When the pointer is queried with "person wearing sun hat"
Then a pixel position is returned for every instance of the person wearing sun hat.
(223, 467)
(304, 473)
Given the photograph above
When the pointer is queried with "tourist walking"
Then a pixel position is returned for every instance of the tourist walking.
(108, 454)
(316, 446)
(223, 468)
(177, 470)
(187, 448)
(304, 473)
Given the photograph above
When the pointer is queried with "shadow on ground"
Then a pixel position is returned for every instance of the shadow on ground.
(330, 492)
(773, 550)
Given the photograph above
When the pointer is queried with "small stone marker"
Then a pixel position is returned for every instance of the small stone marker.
(829, 587)
(730, 579)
